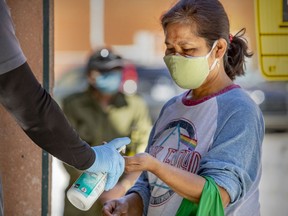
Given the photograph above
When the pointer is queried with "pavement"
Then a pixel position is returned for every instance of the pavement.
(273, 185)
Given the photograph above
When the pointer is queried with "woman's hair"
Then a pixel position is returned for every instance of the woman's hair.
(211, 23)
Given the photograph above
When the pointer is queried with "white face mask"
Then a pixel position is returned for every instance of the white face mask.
(189, 72)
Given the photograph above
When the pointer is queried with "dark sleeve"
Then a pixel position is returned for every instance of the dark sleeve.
(42, 119)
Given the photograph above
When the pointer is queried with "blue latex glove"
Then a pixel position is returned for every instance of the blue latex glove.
(109, 160)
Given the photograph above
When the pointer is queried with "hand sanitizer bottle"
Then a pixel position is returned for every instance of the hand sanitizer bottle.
(87, 188)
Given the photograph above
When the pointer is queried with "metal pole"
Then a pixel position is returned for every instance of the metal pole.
(46, 82)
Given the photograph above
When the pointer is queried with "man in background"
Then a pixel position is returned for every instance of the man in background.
(102, 112)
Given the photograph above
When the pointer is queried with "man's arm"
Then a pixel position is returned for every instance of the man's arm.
(42, 119)
(40, 116)
(33, 108)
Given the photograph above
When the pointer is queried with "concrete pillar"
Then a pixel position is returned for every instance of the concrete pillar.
(20, 159)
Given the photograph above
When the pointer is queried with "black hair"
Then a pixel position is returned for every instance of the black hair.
(212, 23)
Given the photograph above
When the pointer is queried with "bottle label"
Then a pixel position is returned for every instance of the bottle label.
(87, 182)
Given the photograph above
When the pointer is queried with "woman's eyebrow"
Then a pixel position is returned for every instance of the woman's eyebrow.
(186, 43)
(181, 43)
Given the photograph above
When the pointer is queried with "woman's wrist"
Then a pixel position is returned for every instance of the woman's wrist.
(134, 201)
(155, 165)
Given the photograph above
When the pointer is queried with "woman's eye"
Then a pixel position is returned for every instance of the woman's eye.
(188, 50)
(170, 50)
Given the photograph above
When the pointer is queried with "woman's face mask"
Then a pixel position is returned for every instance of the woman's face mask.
(189, 72)
(109, 82)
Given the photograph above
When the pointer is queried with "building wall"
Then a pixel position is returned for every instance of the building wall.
(72, 18)
(122, 22)
(123, 18)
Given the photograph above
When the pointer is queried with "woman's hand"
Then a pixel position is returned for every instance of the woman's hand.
(121, 206)
(115, 207)
(141, 162)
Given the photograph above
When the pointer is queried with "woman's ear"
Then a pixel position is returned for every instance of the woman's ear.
(221, 48)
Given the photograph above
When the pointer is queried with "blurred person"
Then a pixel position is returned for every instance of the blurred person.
(204, 151)
(102, 112)
(41, 118)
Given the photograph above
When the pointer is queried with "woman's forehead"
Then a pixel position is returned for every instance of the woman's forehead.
(182, 34)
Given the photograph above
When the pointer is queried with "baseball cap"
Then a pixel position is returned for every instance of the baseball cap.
(104, 60)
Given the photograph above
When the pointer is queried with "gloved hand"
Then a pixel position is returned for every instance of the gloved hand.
(109, 160)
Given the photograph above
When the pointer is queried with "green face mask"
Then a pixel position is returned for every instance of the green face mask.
(189, 72)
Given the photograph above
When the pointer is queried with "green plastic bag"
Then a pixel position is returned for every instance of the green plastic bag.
(210, 202)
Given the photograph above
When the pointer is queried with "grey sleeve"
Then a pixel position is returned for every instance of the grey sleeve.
(143, 189)
(234, 159)
(11, 55)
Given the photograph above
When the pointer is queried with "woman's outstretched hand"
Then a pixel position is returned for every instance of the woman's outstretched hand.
(141, 162)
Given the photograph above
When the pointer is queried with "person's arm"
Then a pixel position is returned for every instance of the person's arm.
(130, 204)
(186, 184)
(125, 182)
(234, 159)
(33, 108)
(40, 116)
(44, 122)
(42, 119)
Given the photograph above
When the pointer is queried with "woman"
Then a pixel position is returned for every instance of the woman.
(205, 148)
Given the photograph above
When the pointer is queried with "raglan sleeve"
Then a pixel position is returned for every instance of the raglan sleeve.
(234, 158)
